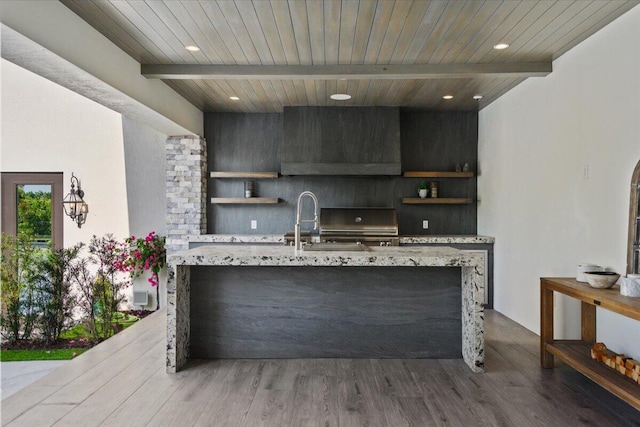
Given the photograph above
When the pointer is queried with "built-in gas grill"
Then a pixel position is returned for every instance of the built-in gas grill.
(370, 226)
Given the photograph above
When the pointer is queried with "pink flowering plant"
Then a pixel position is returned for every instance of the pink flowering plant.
(145, 254)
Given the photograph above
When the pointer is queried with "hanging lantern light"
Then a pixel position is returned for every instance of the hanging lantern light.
(74, 204)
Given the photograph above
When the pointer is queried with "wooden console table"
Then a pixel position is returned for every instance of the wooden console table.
(577, 353)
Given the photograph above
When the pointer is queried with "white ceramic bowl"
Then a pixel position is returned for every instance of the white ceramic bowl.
(583, 268)
(601, 279)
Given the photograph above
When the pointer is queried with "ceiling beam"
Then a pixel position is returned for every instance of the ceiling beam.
(352, 72)
(143, 105)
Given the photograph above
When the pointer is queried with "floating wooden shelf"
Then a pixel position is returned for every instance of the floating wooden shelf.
(577, 354)
(437, 201)
(433, 174)
(245, 200)
(256, 175)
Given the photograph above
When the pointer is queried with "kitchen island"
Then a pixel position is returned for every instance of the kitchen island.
(196, 274)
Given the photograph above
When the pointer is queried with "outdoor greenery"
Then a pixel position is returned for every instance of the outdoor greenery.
(145, 254)
(17, 287)
(76, 340)
(34, 213)
(55, 354)
(107, 285)
(42, 288)
(54, 288)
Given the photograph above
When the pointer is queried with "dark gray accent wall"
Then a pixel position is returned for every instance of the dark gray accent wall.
(438, 141)
(302, 312)
(243, 142)
(341, 141)
(429, 141)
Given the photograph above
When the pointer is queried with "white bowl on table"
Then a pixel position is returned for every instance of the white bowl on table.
(601, 279)
(586, 267)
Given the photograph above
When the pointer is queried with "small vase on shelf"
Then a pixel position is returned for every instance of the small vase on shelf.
(422, 190)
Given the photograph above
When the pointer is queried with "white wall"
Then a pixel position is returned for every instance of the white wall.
(47, 128)
(533, 145)
(121, 163)
(145, 164)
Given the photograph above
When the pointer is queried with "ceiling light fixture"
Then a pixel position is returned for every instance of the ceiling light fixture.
(447, 97)
(340, 96)
(234, 98)
(192, 48)
(501, 46)
(477, 97)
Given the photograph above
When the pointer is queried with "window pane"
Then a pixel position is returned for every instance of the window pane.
(34, 212)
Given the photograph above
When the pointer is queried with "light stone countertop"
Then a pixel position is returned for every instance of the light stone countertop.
(262, 255)
(279, 238)
(180, 263)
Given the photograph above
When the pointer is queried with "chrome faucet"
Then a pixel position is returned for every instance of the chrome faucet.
(298, 243)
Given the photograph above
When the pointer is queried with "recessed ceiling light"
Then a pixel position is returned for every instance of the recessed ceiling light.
(477, 97)
(192, 48)
(340, 96)
(447, 97)
(234, 98)
(500, 46)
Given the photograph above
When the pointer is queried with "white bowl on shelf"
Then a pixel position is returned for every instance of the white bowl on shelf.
(601, 279)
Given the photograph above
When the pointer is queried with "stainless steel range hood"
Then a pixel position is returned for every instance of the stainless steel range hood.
(341, 141)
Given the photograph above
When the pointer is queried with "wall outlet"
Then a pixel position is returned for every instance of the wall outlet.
(254, 224)
(425, 224)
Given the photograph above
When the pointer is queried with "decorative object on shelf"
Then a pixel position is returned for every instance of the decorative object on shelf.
(433, 187)
(422, 190)
(73, 203)
(466, 167)
(630, 285)
(248, 188)
(601, 279)
(583, 268)
(626, 366)
(458, 167)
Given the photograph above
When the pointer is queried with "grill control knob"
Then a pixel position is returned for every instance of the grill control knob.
(358, 219)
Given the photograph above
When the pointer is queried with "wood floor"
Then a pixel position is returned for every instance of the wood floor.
(122, 382)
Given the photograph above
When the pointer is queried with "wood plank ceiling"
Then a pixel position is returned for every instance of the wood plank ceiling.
(298, 33)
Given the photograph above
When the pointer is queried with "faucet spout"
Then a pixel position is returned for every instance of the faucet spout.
(313, 197)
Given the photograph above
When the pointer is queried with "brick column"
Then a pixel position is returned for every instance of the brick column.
(186, 190)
